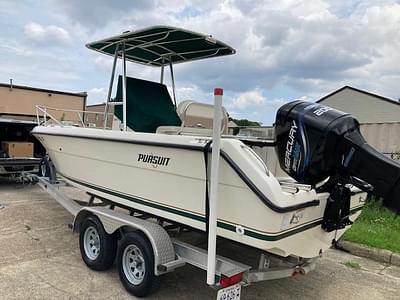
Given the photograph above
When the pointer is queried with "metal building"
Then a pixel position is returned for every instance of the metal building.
(19, 150)
(19, 102)
(96, 119)
(379, 116)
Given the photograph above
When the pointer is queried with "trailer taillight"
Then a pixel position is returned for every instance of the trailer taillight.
(228, 281)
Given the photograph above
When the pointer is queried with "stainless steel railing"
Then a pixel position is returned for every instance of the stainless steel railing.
(47, 116)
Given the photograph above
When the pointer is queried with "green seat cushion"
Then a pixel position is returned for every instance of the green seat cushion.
(148, 105)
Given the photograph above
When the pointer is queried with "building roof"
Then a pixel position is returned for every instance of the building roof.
(96, 104)
(232, 124)
(23, 87)
(360, 91)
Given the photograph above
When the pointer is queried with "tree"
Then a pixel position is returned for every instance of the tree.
(243, 123)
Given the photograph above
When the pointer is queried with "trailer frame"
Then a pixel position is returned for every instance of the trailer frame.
(170, 253)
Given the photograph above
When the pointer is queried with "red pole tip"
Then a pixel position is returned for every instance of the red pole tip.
(218, 92)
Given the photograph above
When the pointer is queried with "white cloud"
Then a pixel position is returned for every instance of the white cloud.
(304, 98)
(248, 99)
(193, 92)
(264, 113)
(52, 35)
(285, 49)
(103, 62)
(98, 13)
(97, 95)
(15, 48)
(98, 91)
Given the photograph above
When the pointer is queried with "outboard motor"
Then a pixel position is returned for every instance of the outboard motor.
(315, 142)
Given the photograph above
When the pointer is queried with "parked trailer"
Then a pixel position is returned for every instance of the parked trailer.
(16, 132)
(144, 248)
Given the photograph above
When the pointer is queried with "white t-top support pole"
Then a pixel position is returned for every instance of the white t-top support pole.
(212, 222)
(110, 86)
(162, 72)
(124, 87)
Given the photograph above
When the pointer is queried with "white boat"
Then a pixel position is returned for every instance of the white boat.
(158, 162)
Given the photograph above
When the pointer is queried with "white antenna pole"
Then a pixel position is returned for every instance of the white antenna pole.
(212, 222)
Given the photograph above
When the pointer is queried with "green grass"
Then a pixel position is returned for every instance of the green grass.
(352, 264)
(376, 227)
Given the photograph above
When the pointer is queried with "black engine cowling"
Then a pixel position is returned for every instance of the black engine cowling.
(315, 142)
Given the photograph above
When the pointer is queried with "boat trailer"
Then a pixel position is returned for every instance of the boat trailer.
(140, 241)
(169, 252)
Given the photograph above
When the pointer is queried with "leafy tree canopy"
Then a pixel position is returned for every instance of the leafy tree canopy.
(243, 123)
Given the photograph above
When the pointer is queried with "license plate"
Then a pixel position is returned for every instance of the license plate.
(230, 293)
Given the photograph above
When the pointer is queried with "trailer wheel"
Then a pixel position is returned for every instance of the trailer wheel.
(98, 248)
(135, 263)
(46, 169)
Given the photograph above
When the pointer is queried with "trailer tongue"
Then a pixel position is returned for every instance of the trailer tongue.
(315, 142)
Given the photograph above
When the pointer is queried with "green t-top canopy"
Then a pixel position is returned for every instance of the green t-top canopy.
(160, 45)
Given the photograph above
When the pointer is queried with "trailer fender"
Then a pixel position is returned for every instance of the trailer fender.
(112, 221)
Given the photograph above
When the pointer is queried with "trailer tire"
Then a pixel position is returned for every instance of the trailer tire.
(98, 248)
(135, 263)
(46, 169)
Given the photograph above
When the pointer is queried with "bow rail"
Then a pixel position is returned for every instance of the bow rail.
(48, 116)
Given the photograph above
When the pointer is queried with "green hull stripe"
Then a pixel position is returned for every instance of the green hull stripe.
(223, 225)
(140, 201)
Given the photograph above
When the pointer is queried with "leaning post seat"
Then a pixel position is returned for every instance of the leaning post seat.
(197, 119)
(148, 105)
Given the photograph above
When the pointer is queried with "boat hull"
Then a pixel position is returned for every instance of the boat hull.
(166, 176)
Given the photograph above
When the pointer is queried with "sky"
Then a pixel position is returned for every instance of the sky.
(286, 49)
